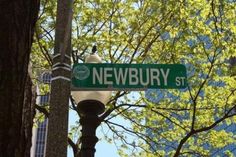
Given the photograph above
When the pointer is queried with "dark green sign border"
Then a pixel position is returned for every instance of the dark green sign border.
(155, 76)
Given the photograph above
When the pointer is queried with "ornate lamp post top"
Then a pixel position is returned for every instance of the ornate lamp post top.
(90, 105)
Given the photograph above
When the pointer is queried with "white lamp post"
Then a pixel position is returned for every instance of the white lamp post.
(90, 105)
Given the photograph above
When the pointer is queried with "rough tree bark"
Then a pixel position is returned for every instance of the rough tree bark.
(17, 21)
(27, 117)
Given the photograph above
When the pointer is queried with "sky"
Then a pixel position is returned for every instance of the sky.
(103, 148)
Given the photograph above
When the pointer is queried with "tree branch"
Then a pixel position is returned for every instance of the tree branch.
(42, 110)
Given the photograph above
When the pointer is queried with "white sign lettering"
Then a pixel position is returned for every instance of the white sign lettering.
(132, 76)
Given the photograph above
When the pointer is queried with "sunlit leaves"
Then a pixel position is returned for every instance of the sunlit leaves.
(197, 33)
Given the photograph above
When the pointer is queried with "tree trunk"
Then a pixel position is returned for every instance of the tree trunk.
(17, 23)
(27, 117)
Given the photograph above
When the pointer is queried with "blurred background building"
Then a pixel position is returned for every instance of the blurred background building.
(40, 130)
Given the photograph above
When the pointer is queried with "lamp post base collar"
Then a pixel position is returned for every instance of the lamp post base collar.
(90, 107)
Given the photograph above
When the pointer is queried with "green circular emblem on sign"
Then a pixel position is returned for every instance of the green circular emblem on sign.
(81, 72)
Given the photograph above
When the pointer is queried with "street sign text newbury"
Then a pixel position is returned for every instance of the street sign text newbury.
(102, 76)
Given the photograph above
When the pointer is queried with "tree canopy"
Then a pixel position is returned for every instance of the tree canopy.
(200, 34)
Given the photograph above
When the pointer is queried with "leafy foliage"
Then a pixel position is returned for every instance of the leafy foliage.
(199, 34)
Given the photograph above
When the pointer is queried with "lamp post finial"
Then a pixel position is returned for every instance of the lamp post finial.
(94, 49)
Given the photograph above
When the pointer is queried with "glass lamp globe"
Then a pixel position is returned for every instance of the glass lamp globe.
(100, 96)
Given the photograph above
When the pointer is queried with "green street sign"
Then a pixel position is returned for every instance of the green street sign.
(100, 76)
